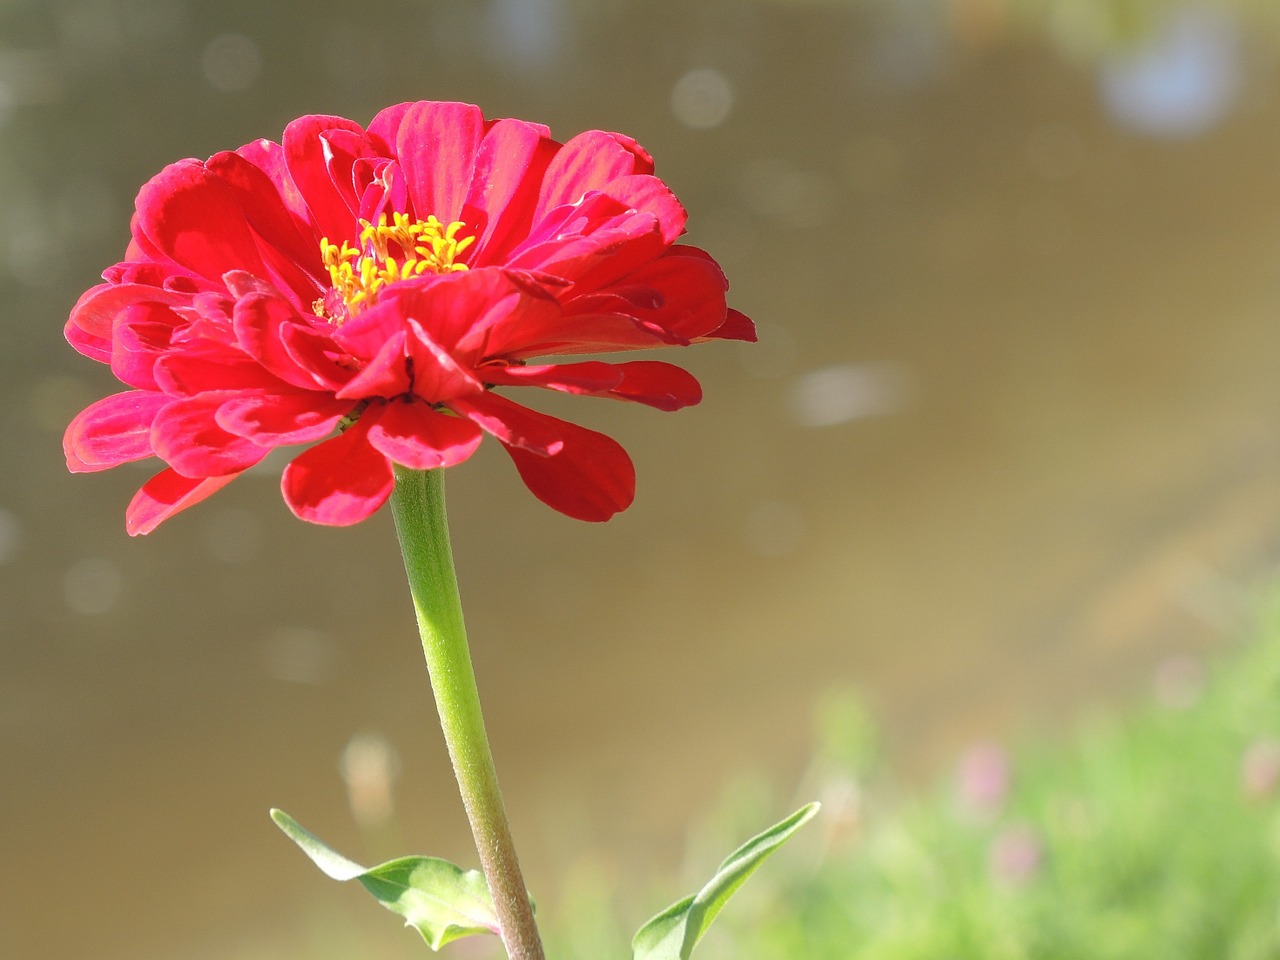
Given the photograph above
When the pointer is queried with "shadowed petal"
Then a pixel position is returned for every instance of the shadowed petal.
(338, 482)
(165, 494)
(418, 437)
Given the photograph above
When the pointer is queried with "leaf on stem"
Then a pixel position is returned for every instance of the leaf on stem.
(440, 900)
(673, 933)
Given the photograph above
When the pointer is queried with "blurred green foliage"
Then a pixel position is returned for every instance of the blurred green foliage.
(1082, 29)
(1154, 835)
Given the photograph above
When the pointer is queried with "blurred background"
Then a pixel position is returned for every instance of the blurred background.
(1007, 446)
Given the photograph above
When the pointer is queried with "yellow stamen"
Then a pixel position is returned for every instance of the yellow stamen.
(388, 253)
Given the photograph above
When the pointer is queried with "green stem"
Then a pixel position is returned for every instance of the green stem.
(418, 507)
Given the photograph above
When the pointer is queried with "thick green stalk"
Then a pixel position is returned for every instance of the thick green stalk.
(418, 507)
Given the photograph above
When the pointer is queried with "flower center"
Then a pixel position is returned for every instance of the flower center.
(385, 254)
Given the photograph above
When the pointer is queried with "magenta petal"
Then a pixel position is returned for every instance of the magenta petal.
(273, 420)
(420, 438)
(114, 430)
(97, 308)
(437, 144)
(514, 425)
(165, 494)
(339, 482)
(186, 436)
(590, 478)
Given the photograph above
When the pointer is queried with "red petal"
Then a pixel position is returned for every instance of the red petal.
(88, 344)
(165, 494)
(384, 127)
(262, 324)
(270, 159)
(204, 366)
(114, 430)
(272, 420)
(648, 194)
(288, 254)
(651, 382)
(511, 423)
(736, 326)
(96, 310)
(186, 436)
(590, 161)
(437, 144)
(331, 204)
(386, 375)
(510, 164)
(590, 478)
(418, 437)
(193, 218)
(338, 482)
(437, 374)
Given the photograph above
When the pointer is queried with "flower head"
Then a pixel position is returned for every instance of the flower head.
(375, 293)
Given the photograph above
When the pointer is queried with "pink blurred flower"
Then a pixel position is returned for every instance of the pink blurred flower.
(983, 779)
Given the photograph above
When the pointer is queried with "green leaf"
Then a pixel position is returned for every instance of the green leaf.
(673, 933)
(440, 900)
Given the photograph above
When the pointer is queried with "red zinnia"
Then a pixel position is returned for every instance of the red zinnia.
(384, 282)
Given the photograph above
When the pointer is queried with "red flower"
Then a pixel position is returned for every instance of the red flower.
(390, 283)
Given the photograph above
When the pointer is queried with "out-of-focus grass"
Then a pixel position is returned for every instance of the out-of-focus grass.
(1156, 834)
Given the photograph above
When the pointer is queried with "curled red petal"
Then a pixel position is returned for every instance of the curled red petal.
(270, 331)
(96, 310)
(339, 482)
(589, 478)
(274, 419)
(186, 435)
(510, 164)
(113, 430)
(292, 258)
(589, 161)
(331, 204)
(191, 217)
(514, 425)
(165, 494)
(651, 382)
(736, 326)
(420, 438)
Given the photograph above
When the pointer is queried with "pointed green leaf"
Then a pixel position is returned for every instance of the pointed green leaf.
(673, 933)
(440, 900)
